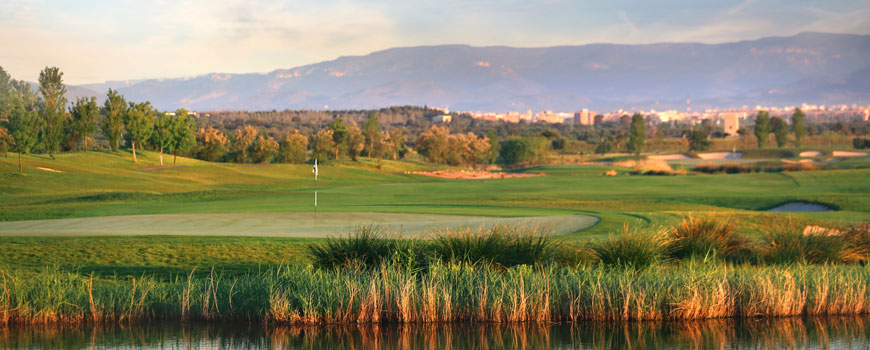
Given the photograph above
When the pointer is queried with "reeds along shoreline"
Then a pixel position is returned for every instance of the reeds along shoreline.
(445, 293)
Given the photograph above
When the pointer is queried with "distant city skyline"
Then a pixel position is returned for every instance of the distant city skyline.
(95, 41)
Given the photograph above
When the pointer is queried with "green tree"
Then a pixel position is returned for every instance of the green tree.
(799, 124)
(139, 122)
(493, 146)
(371, 131)
(698, 140)
(52, 108)
(183, 137)
(211, 144)
(397, 143)
(263, 149)
(82, 124)
(780, 131)
(162, 136)
(355, 141)
(637, 134)
(22, 121)
(515, 150)
(112, 123)
(339, 134)
(322, 144)
(762, 128)
(293, 148)
(434, 144)
(243, 138)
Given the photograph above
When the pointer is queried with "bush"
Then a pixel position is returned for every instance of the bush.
(702, 237)
(789, 245)
(860, 143)
(632, 249)
(366, 248)
(500, 245)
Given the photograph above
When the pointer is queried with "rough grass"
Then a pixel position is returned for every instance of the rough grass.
(445, 293)
(500, 245)
(707, 237)
(632, 249)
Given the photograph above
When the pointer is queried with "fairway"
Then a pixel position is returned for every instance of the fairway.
(280, 224)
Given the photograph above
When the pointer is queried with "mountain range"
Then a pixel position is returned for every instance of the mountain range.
(817, 68)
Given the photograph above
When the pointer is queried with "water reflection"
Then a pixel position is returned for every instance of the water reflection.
(783, 333)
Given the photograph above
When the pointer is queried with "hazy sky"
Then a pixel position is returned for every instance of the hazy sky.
(94, 41)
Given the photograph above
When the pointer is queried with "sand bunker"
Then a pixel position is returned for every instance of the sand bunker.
(720, 155)
(811, 154)
(49, 169)
(668, 157)
(798, 161)
(849, 154)
(801, 207)
(461, 174)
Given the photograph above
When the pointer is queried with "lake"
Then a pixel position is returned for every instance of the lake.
(769, 333)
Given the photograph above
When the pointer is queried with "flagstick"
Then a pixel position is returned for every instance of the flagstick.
(315, 200)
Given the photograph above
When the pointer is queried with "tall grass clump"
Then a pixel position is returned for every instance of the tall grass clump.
(788, 244)
(500, 245)
(696, 237)
(633, 249)
(365, 248)
(858, 237)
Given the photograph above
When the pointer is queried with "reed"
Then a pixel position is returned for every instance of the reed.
(298, 294)
(701, 237)
(632, 249)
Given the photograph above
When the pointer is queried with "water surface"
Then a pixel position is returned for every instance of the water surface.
(779, 333)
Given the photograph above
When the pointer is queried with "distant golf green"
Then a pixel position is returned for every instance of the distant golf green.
(279, 224)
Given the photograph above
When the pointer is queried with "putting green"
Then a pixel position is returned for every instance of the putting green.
(278, 224)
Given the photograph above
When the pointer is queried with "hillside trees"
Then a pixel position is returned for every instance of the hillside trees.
(780, 131)
(139, 122)
(637, 134)
(762, 128)
(52, 108)
(112, 123)
(799, 124)
(83, 122)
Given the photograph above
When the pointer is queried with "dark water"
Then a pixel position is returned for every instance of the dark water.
(784, 333)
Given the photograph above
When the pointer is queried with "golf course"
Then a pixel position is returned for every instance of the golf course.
(94, 228)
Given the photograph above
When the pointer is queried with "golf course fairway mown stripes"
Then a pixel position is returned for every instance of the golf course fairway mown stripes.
(281, 224)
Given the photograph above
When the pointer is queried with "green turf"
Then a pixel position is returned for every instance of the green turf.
(280, 224)
(100, 184)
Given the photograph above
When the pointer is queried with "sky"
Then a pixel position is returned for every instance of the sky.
(96, 41)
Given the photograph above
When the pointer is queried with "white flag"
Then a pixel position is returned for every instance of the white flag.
(315, 169)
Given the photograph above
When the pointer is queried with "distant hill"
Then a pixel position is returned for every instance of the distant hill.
(808, 67)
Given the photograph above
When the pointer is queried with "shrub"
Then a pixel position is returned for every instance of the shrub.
(701, 237)
(499, 245)
(366, 248)
(632, 249)
(788, 245)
